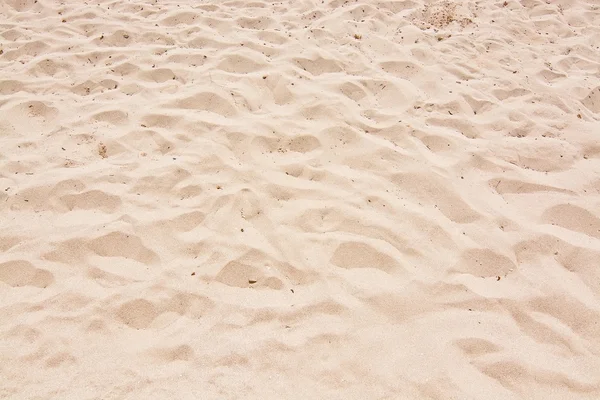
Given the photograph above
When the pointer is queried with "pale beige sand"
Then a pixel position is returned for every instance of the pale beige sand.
(300, 199)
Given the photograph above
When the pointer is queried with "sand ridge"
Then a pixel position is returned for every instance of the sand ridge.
(307, 199)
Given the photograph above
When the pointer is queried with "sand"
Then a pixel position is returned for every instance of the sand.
(300, 199)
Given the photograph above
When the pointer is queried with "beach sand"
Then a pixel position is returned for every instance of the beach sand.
(300, 199)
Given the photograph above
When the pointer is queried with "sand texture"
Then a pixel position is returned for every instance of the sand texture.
(308, 199)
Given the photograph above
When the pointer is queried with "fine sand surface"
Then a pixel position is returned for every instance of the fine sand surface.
(308, 199)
